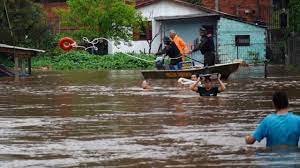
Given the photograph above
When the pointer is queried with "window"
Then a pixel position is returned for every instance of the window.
(242, 40)
(144, 33)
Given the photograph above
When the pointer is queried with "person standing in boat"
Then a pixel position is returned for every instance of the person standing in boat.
(208, 89)
(207, 47)
(181, 45)
(281, 129)
(172, 51)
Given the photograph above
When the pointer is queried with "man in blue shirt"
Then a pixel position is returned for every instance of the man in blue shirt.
(280, 129)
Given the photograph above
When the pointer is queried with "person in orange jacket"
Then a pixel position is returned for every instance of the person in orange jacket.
(183, 48)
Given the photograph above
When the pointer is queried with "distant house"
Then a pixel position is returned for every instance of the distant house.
(234, 38)
(258, 11)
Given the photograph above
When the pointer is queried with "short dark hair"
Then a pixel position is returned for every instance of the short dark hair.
(280, 100)
(197, 75)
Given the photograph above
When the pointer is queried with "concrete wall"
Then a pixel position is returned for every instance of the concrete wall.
(188, 30)
(228, 29)
(160, 8)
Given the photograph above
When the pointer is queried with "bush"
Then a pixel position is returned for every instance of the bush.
(82, 60)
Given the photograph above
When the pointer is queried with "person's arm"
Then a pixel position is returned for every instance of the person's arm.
(222, 86)
(194, 87)
(259, 134)
(199, 45)
(163, 51)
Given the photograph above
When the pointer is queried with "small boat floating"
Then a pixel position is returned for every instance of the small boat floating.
(224, 69)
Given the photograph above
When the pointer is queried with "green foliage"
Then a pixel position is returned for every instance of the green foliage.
(82, 60)
(6, 61)
(294, 15)
(28, 23)
(255, 56)
(101, 18)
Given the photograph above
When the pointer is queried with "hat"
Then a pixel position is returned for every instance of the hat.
(202, 29)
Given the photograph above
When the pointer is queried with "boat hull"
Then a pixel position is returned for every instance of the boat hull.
(224, 69)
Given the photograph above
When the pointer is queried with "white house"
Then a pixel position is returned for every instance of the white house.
(234, 38)
(152, 10)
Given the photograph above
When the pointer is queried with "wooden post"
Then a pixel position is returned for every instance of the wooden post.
(16, 68)
(258, 17)
(23, 69)
(266, 68)
(29, 66)
(217, 5)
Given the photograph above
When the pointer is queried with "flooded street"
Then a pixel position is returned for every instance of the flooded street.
(104, 119)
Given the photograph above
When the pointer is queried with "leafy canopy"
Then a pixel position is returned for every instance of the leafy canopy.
(101, 18)
(28, 23)
(294, 15)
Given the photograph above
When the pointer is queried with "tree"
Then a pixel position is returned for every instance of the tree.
(101, 18)
(294, 15)
(28, 24)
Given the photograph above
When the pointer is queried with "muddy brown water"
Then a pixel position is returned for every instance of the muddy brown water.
(104, 119)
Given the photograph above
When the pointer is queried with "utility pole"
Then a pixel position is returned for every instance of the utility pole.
(257, 10)
(16, 60)
(217, 5)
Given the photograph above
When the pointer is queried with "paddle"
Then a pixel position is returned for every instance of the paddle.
(194, 59)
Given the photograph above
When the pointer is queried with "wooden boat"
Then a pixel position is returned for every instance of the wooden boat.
(224, 69)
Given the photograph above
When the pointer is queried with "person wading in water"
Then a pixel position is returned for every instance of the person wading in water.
(281, 129)
(208, 89)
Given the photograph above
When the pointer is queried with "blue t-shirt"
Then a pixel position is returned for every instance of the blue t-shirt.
(279, 130)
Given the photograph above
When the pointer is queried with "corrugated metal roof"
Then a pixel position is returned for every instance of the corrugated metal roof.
(161, 18)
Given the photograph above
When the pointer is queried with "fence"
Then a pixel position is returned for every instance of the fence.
(294, 50)
(254, 53)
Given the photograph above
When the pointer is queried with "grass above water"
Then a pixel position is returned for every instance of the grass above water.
(81, 60)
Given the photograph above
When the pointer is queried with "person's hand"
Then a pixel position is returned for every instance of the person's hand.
(247, 138)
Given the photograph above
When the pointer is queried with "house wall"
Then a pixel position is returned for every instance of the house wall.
(228, 29)
(160, 8)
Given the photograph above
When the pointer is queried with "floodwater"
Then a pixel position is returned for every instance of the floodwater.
(104, 119)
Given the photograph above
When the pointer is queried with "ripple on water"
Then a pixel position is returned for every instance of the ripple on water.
(83, 120)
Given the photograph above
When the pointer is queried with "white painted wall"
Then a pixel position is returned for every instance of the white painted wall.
(167, 8)
(157, 9)
(134, 47)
